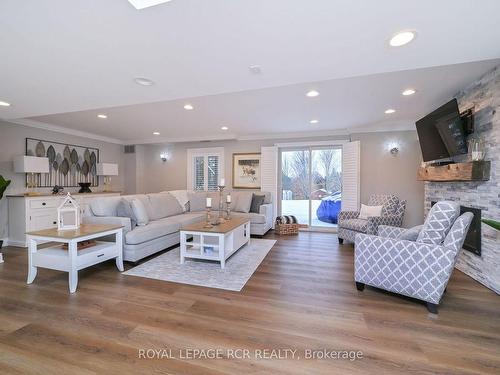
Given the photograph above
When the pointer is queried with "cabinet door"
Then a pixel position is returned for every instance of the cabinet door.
(42, 219)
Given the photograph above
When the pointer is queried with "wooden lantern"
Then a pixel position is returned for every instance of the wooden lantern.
(68, 214)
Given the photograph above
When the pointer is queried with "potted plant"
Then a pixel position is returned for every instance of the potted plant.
(3, 186)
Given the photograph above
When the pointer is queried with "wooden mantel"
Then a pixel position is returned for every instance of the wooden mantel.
(471, 171)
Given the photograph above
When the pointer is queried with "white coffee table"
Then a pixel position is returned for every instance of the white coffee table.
(217, 243)
(72, 260)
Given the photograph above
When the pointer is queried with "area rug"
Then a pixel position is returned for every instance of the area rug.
(238, 270)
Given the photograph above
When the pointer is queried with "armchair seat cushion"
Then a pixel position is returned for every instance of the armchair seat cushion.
(359, 225)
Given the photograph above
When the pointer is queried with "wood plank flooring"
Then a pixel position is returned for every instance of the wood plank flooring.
(301, 297)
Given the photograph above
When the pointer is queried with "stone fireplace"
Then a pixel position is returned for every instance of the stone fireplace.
(484, 96)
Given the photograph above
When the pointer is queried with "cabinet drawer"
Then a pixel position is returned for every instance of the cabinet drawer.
(37, 204)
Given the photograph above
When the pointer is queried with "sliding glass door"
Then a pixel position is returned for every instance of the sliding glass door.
(311, 184)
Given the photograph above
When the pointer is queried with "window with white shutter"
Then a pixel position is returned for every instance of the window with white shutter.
(205, 168)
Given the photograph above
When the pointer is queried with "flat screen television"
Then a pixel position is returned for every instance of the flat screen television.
(441, 134)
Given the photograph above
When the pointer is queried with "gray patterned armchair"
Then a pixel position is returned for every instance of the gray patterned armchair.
(393, 211)
(415, 262)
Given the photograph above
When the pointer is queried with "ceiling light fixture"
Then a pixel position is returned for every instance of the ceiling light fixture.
(102, 116)
(402, 38)
(141, 4)
(188, 107)
(156, 133)
(409, 92)
(224, 128)
(143, 81)
(313, 121)
(312, 94)
(4, 104)
(389, 111)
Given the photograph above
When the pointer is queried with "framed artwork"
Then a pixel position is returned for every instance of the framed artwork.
(69, 164)
(246, 171)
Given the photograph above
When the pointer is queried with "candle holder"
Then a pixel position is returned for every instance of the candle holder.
(221, 219)
(209, 219)
(228, 210)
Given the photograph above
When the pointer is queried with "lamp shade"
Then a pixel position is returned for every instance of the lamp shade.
(31, 164)
(107, 169)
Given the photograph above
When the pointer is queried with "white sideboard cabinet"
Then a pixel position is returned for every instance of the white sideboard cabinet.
(33, 213)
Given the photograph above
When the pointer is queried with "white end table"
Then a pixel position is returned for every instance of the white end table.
(224, 239)
(72, 260)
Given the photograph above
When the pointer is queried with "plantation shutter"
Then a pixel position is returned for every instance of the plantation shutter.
(213, 173)
(199, 173)
(350, 176)
(269, 174)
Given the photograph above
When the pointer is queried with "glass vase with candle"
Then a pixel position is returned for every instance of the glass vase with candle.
(477, 149)
(228, 206)
(209, 218)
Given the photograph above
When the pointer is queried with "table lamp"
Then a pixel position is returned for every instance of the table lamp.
(107, 170)
(32, 165)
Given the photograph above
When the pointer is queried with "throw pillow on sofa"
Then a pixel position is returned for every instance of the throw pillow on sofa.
(125, 210)
(257, 201)
(244, 202)
(197, 201)
(140, 212)
(369, 211)
(163, 205)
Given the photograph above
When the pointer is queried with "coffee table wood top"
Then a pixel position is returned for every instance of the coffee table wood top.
(84, 230)
(223, 228)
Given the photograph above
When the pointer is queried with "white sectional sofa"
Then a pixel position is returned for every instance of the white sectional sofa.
(166, 215)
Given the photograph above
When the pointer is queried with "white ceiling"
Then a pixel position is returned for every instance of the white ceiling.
(60, 56)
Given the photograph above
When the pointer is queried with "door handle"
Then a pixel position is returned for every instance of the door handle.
(100, 255)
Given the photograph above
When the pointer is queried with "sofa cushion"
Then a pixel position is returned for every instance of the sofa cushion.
(124, 209)
(254, 217)
(197, 201)
(438, 222)
(153, 230)
(359, 225)
(140, 212)
(164, 205)
(257, 201)
(411, 234)
(190, 218)
(243, 202)
(105, 206)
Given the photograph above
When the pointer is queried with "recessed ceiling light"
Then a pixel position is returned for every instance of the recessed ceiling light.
(4, 104)
(188, 107)
(102, 116)
(224, 128)
(143, 81)
(312, 94)
(141, 4)
(402, 38)
(313, 121)
(389, 111)
(156, 133)
(408, 92)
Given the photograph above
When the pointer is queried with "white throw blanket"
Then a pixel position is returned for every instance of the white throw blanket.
(181, 196)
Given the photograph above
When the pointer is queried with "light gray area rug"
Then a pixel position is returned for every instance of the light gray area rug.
(239, 267)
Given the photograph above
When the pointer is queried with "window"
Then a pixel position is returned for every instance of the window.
(205, 168)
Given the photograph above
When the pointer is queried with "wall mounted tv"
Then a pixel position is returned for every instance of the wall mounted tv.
(441, 133)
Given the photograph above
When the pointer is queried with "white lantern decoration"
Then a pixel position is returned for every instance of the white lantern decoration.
(68, 214)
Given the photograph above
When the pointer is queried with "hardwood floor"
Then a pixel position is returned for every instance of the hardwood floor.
(301, 297)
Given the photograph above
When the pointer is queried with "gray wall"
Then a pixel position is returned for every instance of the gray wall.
(380, 171)
(13, 143)
(484, 96)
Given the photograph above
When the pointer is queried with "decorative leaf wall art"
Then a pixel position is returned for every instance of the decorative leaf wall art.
(69, 164)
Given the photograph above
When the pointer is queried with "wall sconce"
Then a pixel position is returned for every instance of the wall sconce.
(164, 156)
(393, 148)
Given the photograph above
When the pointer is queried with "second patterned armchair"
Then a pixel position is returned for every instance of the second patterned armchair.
(393, 211)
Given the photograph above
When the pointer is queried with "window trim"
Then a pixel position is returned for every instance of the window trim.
(205, 152)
